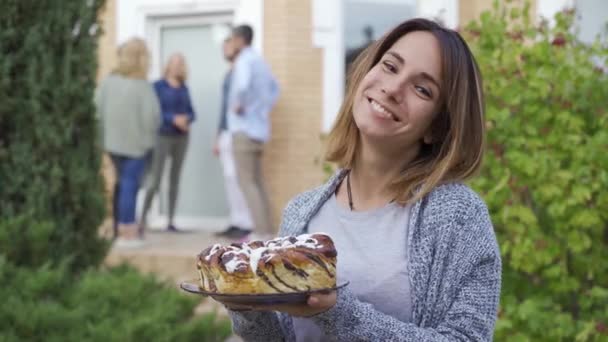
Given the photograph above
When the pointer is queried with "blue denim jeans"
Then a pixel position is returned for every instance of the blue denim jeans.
(129, 172)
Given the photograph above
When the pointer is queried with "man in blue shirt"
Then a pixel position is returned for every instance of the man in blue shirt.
(253, 93)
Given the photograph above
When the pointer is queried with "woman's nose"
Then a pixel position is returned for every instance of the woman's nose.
(394, 90)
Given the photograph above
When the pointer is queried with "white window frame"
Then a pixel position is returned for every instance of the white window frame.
(155, 25)
(133, 16)
(328, 34)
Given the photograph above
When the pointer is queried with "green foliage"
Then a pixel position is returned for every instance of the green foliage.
(545, 177)
(51, 195)
(50, 304)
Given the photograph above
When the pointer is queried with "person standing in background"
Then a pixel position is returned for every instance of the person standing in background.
(253, 93)
(240, 219)
(177, 116)
(128, 112)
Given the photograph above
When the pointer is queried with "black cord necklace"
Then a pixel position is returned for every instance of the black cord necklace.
(350, 194)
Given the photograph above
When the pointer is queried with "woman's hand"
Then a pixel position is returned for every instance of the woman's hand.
(317, 303)
(181, 121)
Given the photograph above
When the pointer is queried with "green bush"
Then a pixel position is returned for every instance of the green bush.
(51, 191)
(50, 304)
(51, 195)
(545, 176)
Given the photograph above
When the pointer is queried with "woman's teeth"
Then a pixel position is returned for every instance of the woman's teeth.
(379, 108)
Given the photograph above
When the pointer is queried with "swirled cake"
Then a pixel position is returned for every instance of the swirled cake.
(281, 265)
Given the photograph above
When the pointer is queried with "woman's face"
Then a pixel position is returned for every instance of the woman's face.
(397, 100)
(177, 67)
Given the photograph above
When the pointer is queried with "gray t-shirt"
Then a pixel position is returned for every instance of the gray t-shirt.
(372, 256)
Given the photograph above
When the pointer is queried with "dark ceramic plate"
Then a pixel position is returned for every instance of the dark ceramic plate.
(256, 299)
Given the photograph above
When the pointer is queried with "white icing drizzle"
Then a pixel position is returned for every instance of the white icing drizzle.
(233, 264)
(255, 254)
(254, 259)
(213, 250)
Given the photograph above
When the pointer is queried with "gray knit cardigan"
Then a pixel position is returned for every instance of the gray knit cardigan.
(454, 267)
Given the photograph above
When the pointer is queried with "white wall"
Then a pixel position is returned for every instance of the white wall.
(592, 15)
(328, 34)
(592, 18)
(251, 12)
(548, 8)
(132, 14)
(445, 10)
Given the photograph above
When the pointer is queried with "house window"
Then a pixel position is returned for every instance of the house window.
(367, 20)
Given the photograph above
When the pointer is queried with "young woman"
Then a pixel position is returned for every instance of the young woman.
(177, 115)
(130, 116)
(416, 245)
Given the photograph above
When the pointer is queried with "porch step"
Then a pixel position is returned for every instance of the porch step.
(171, 256)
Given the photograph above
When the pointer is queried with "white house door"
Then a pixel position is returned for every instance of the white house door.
(201, 201)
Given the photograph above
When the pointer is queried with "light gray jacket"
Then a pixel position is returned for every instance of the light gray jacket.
(129, 114)
(454, 267)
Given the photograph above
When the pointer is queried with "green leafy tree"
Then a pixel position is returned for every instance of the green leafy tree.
(545, 176)
(51, 195)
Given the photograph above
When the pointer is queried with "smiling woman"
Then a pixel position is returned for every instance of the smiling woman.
(403, 74)
(416, 245)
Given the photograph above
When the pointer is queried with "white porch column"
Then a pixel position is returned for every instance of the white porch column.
(251, 12)
(328, 28)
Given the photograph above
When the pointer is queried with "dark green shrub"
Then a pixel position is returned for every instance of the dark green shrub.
(50, 304)
(51, 195)
(51, 198)
(545, 176)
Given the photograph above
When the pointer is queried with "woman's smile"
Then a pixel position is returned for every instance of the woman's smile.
(381, 111)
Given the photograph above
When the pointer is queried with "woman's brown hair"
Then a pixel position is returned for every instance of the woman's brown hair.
(133, 59)
(458, 129)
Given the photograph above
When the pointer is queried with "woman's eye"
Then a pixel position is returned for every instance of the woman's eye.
(388, 66)
(423, 91)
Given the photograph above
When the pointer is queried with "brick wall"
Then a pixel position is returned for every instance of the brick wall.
(291, 163)
(472, 9)
(107, 42)
(107, 59)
